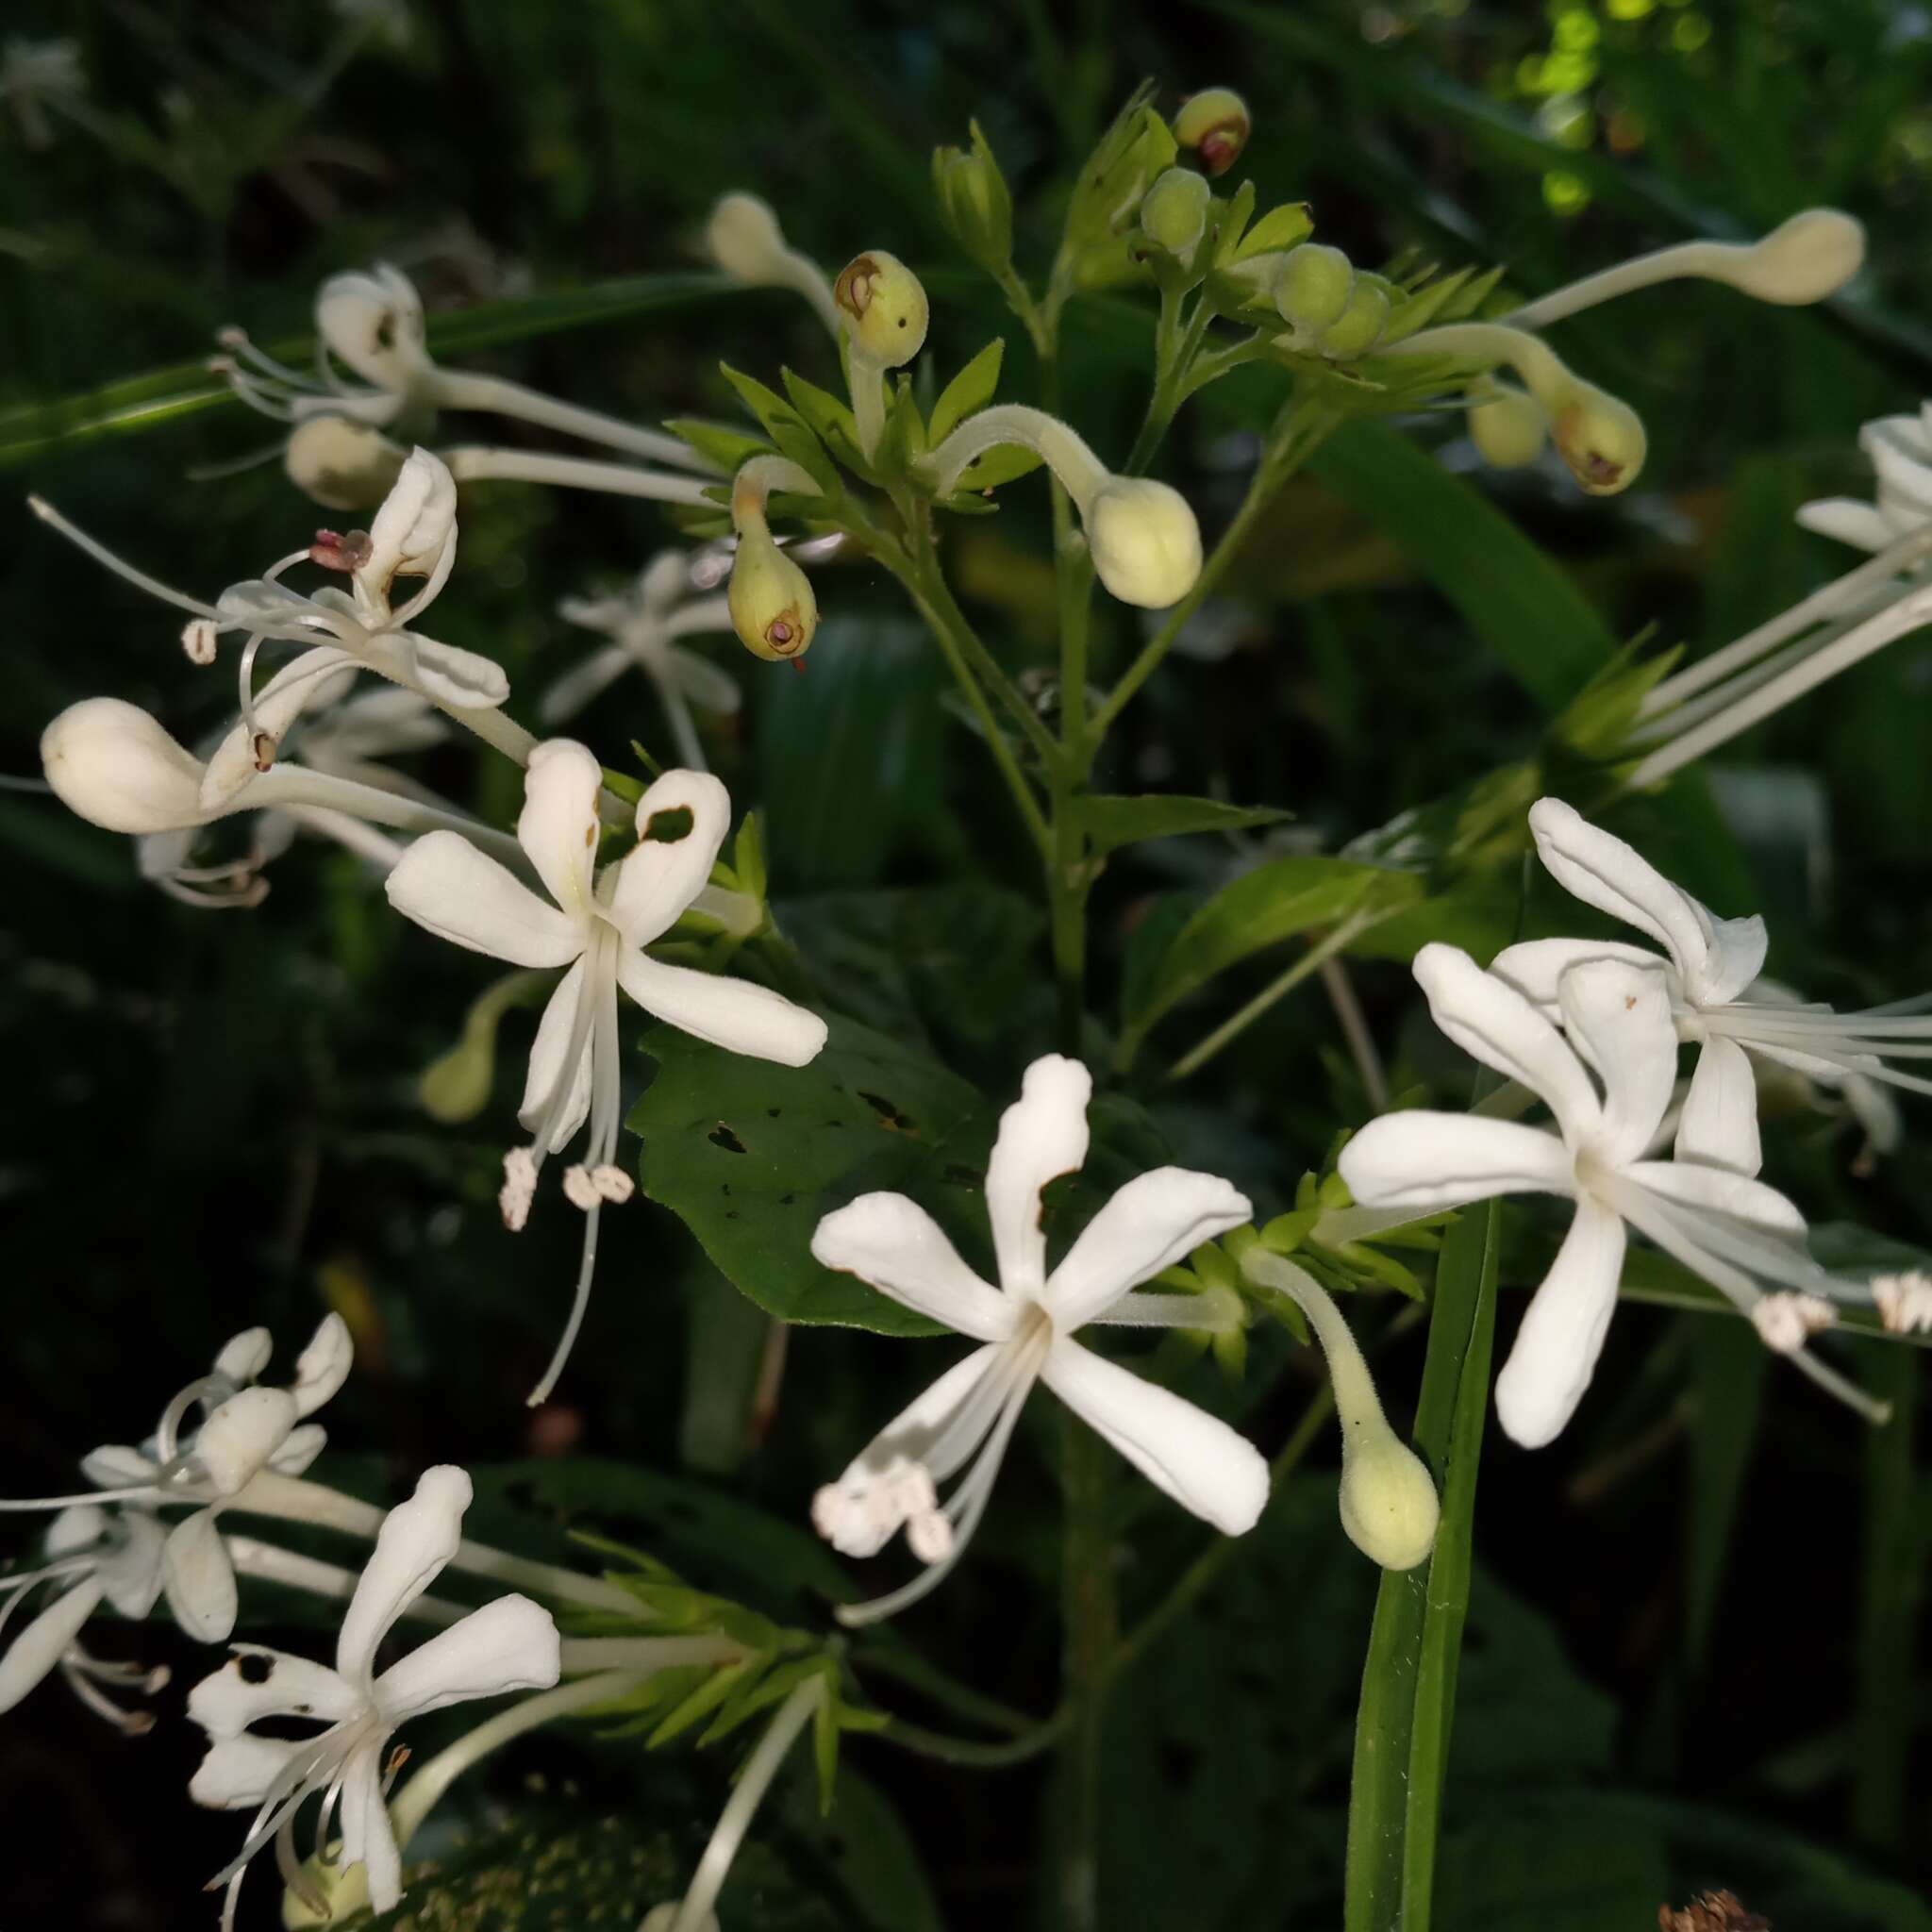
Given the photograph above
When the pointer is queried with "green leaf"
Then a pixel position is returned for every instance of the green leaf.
(990, 470)
(825, 414)
(1262, 908)
(728, 448)
(750, 1156)
(970, 391)
(1280, 228)
(1520, 604)
(1408, 1682)
(794, 436)
(1110, 822)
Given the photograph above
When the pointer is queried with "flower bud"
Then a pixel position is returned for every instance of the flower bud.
(112, 764)
(1601, 437)
(416, 522)
(340, 464)
(1175, 214)
(1313, 286)
(1214, 124)
(1146, 543)
(1508, 429)
(772, 608)
(1389, 1508)
(975, 202)
(1360, 326)
(743, 237)
(884, 307)
(374, 322)
(1804, 259)
(1131, 153)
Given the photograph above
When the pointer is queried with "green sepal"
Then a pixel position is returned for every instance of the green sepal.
(968, 392)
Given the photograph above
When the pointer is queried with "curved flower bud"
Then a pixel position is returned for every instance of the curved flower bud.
(374, 322)
(1507, 428)
(772, 608)
(1389, 1505)
(341, 464)
(1313, 286)
(1598, 435)
(1145, 543)
(884, 312)
(1215, 125)
(743, 237)
(1175, 214)
(116, 766)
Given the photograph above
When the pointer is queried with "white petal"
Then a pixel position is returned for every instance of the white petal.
(278, 705)
(1844, 520)
(1042, 1134)
(578, 686)
(466, 679)
(1563, 1329)
(1427, 1160)
(115, 1466)
(510, 1644)
(1719, 1188)
(368, 1839)
(911, 1434)
(78, 1526)
(255, 1683)
(703, 682)
(450, 888)
(199, 1578)
(1602, 871)
(244, 1356)
(238, 1772)
(558, 825)
(731, 1014)
(1152, 1222)
(1494, 1023)
(1718, 1122)
(322, 1366)
(304, 1445)
(1738, 950)
(1620, 1018)
(1201, 1462)
(416, 1539)
(547, 1053)
(664, 874)
(129, 1569)
(415, 519)
(45, 1641)
(1534, 967)
(895, 1246)
(234, 1444)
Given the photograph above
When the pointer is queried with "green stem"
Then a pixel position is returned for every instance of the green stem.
(972, 1754)
(908, 1668)
(1893, 1584)
(1298, 434)
(1089, 1616)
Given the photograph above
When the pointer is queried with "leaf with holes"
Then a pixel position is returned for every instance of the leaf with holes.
(751, 1156)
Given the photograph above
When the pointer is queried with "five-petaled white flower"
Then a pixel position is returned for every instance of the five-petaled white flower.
(644, 623)
(1025, 1327)
(1726, 1226)
(1900, 448)
(597, 924)
(1710, 965)
(510, 1644)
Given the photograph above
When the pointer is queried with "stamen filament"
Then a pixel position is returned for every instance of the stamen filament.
(105, 558)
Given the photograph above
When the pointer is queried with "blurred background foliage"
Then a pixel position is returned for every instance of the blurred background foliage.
(1690, 1658)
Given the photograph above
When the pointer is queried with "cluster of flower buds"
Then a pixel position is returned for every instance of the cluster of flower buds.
(975, 202)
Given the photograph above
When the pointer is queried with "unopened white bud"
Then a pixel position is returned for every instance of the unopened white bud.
(743, 237)
(1601, 437)
(374, 322)
(1389, 1508)
(1804, 259)
(417, 521)
(115, 765)
(1145, 543)
(885, 308)
(340, 464)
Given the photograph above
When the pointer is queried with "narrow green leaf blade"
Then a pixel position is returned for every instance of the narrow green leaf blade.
(1110, 822)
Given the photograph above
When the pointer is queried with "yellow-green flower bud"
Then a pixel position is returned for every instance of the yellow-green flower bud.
(1146, 543)
(1215, 126)
(772, 608)
(1508, 429)
(1175, 214)
(1601, 437)
(884, 307)
(975, 202)
(1313, 286)
(340, 464)
(1360, 326)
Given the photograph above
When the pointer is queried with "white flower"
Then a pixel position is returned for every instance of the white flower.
(93, 1555)
(1710, 965)
(510, 1644)
(1025, 1327)
(596, 924)
(1900, 448)
(1904, 1302)
(644, 623)
(1732, 1231)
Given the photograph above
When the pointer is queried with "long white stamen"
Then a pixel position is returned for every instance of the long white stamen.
(471, 465)
(138, 1492)
(132, 1724)
(105, 558)
(760, 1768)
(493, 396)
